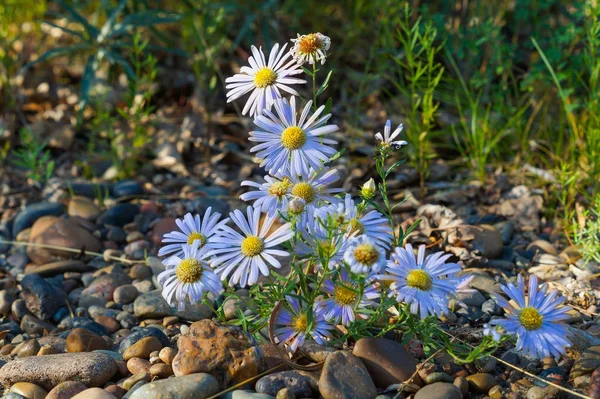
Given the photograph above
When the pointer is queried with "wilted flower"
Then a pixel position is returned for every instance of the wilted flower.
(311, 48)
(193, 229)
(264, 79)
(387, 139)
(249, 254)
(297, 321)
(296, 206)
(363, 256)
(368, 190)
(290, 144)
(188, 277)
(424, 283)
(535, 318)
(345, 298)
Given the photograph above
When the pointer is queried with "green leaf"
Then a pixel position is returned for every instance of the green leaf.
(337, 154)
(328, 106)
(56, 52)
(307, 71)
(89, 73)
(76, 17)
(395, 165)
(116, 58)
(66, 30)
(110, 22)
(325, 83)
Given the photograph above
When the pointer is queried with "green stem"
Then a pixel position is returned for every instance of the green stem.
(314, 82)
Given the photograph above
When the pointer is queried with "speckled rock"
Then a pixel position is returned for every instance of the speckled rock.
(344, 376)
(439, 390)
(224, 351)
(92, 369)
(193, 386)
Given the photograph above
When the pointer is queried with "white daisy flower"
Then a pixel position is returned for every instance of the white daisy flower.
(387, 140)
(271, 196)
(311, 48)
(426, 284)
(244, 255)
(187, 277)
(264, 79)
(289, 145)
(193, 229)
(363, 256)
(373, 225)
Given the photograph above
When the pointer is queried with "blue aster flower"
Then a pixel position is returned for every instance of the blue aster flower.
(345, 298)
(293, 324)
(426, 284)
(535, 318)
(363, 256)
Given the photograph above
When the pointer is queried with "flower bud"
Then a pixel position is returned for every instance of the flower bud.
(296, 206)
(368, 189)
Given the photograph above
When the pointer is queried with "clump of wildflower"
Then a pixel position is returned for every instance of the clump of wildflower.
(346, 298)
(387, 140)
(245, 256)
(534, 318)
(193, 230)
(188, 277)
(291, 144)
(297, 321)
(426, 284)
(264, 79)
(363, 256)
(310, 48)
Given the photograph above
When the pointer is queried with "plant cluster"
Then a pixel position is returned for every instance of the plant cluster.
(344, 270)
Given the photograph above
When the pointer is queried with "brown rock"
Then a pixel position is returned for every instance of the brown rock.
(481, 382)
(83, 340)
(134, 379)
(66, 390)
(40, 225)
(94, 393)
(167, 355)
(224, 351)
(71, 233)
(162, 227)
(161, 370)
(29, 348)
(29, 390)
(387, 361)
(83, 207)
(116, 391)
(142, 348)
(344, 376)
(46, 350)
(108, 322)
(105, 285)
(125, 294)
(136, 365)
(140, 272)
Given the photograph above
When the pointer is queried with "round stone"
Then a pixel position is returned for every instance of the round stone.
(66, 390)
(83, 340)
(439, 390)
(29, 390)
(142, 348)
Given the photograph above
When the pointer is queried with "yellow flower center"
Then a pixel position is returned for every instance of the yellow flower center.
(197, 236)
(419, 279)
(189, 270)
(326, 249)
(530, 318)
(293, 138)
(309, 44)
(265, 77)
(304, 191)
(356, 226)
(300, 322)
(280, 188)
(366, 254)
(252, 246)
(343, 295)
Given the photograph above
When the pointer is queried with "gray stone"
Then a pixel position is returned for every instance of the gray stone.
(294, 381)
(92, 369)
(153, 306)
(31, 213)
(42, 298)
(344, 376)
(119, 215)
(193, 386)
(439, 390)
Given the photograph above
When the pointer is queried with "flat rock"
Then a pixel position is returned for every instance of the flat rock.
(32, 212)
(153, 306)
(91, 369)
(439, 390)
(193, 386)
(60, 267)
(387, 361)
(344, 376)
(297, 383)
